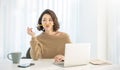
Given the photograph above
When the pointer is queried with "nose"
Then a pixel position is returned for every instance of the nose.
(47, 22)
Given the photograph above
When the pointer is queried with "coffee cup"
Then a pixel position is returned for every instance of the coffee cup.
(14, 57)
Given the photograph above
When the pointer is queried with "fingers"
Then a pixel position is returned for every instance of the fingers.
(29, 29)
(59, 58)
(30, 32)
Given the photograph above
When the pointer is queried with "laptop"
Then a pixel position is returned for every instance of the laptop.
(76, 54)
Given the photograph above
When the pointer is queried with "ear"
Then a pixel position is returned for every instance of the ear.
(53, 24)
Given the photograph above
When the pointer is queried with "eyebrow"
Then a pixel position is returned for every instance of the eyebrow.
(48, 18)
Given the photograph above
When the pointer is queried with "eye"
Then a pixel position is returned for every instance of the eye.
(44, 20)
(50, 20)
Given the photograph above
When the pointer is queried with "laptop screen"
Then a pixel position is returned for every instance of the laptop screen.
(77, 54)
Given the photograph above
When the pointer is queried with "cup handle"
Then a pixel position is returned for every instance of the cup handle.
(9, 57)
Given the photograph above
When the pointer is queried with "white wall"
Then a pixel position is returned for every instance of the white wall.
(1, 29)
(114, 30)
(87, 28)
(101, 29)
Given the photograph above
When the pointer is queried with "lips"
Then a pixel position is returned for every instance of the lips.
(47, 25)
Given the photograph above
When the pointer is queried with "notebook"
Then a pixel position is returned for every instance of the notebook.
(76, 54)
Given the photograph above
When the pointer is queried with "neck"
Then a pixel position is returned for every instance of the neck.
(50, 32)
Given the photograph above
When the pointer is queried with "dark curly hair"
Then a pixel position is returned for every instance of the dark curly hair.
(56, 25)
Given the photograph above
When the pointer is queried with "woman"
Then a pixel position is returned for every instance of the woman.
(51, 42)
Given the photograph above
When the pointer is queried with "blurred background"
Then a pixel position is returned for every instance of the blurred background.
(93, 21)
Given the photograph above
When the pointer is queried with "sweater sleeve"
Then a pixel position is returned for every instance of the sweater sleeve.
(67, 38)
(36, 50)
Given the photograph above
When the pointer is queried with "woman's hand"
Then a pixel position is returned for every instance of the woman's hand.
(59, 58)
(30, 32)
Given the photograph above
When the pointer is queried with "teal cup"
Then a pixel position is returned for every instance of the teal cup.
(14, 57)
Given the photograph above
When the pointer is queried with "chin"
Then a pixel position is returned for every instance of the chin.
(47, 29)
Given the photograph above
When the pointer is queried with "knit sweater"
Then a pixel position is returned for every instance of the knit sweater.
(48, 46)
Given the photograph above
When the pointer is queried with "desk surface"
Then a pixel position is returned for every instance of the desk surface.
(48, 64)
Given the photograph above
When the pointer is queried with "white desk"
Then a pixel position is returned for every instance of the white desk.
(47, 64)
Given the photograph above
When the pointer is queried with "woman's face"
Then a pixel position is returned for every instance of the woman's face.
(47, 22)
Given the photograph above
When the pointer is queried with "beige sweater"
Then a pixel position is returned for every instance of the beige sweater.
(48, 46)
